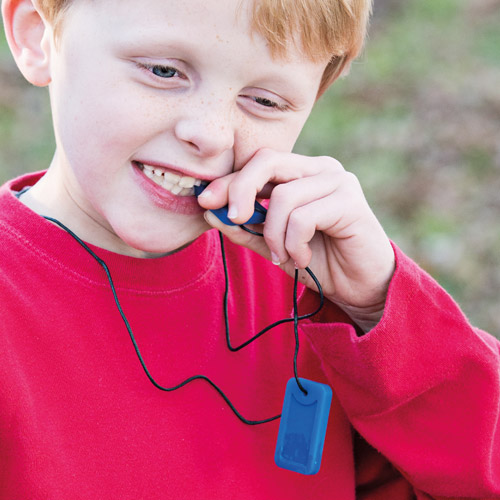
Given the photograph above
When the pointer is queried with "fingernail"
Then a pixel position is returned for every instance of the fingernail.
(205, 194)
(212, 219)
(275, 259)
(232, 213)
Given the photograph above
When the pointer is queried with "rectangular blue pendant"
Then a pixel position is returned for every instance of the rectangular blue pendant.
(303, 424)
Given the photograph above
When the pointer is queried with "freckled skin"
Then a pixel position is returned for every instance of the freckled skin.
(108, 112)
(150, 83)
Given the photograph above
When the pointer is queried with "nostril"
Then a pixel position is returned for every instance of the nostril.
(192, 145)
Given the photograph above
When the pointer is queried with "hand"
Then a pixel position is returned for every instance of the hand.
(317, 217)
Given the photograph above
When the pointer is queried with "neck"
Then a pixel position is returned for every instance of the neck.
(46, 200)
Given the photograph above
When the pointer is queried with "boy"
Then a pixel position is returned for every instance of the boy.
(150, 99)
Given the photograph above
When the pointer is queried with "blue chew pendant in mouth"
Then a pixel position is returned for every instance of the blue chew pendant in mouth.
(302, 429)
(258, 217)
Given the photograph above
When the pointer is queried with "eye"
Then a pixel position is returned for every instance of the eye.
(268, 103)
(163, 71)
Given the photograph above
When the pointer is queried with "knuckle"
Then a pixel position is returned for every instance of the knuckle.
(351, 179)
(280, 194)
(331, 164)
(263, 154)
(352, 184)
(297, 221)
(272, 238)
(236, 181)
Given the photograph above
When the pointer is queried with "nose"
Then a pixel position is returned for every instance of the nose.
(206, 130)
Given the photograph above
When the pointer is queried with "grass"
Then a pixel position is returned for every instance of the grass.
(416, 121)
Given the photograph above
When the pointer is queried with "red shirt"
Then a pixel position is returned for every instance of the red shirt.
(79, 419)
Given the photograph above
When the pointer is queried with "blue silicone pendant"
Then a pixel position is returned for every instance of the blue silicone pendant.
(258, 217)
(303, 424)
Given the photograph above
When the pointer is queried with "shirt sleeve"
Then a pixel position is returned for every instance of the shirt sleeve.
(422, 387)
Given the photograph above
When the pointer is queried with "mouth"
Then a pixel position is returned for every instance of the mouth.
(179, 185)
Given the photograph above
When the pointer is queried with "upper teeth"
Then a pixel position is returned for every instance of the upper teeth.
(177, 184)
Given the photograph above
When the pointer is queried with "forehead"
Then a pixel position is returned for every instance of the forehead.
(202, 31)
(203, 21)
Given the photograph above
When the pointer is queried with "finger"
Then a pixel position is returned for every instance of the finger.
(351, 254)
(329, 215)
(215, 195)
(267, 167)
(288, 197)
(239, 236)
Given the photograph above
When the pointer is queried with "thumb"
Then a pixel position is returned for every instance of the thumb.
(239, 236)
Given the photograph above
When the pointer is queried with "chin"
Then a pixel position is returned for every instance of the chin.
(157, 245)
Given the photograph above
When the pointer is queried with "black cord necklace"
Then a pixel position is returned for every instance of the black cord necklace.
(296, 318)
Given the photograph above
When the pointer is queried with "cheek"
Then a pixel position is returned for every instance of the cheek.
(278, 136)
(107, 122)
(102, 111)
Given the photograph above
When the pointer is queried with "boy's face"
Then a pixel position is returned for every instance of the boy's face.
(181, 86)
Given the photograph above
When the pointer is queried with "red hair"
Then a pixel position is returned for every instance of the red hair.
(330, 30)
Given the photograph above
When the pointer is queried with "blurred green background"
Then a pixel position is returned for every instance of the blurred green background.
(417, 120)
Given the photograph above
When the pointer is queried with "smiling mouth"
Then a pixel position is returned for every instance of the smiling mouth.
(180, 185)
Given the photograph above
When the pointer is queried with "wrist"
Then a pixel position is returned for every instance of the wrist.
(365, 319)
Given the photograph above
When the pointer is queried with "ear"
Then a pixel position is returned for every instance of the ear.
(29, 37)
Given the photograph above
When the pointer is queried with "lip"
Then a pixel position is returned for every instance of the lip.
(185, 205)
(171, 168)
